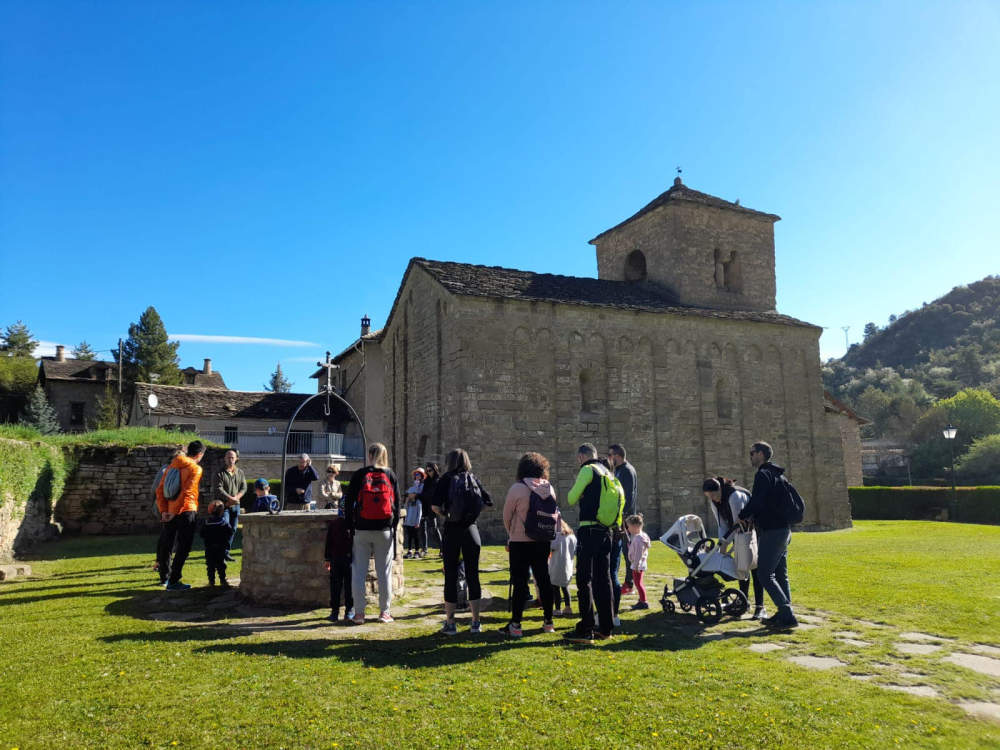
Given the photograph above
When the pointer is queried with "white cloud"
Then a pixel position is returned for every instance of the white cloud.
(205, 339)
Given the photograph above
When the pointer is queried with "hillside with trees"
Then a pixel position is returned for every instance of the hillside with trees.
(927, 367)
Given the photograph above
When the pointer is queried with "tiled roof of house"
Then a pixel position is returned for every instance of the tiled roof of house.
(178, 400)
(680, 192)
(373, 337)
(508, 283)
(78, 369)
(202, 379)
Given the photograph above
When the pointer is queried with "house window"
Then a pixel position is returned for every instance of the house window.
(231, 436)
(76, 413)
(588, 392)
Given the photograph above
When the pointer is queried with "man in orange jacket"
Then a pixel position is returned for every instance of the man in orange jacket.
(179, 516)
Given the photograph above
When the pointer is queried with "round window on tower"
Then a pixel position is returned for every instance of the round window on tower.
(635, 266)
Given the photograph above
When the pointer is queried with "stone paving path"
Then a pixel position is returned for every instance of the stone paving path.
(898, 674)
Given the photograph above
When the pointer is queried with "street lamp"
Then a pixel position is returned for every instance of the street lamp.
(949, 433)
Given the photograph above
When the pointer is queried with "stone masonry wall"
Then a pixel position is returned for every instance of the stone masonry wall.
(679, 242)
(109, 492)
(283, 560)
(685, 395)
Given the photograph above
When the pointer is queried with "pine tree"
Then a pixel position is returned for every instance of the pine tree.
(147, 355)
(83, 351)
(17, 341)
(278, 382)
(40, 414)
(107, 410)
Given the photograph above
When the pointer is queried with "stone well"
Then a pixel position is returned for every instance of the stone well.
(283, 560)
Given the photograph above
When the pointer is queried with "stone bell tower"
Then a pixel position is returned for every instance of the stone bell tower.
(704, 251)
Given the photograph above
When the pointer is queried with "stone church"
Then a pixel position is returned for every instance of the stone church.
(675, 351)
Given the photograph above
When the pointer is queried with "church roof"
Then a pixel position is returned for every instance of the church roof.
(508, 283)
(204, 379)
(681, 193)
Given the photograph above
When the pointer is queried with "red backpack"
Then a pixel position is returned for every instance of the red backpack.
(375, 497)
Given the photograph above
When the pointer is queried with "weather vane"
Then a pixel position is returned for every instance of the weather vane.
(679, 170)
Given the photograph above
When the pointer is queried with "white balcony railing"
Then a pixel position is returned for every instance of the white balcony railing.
(252, 443)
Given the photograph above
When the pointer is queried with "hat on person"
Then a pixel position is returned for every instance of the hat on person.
(261, 484)
(421, 472)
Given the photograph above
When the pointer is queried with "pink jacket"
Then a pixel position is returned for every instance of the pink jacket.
(515, 507)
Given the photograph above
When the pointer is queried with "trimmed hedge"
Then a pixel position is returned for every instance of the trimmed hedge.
(972, 504)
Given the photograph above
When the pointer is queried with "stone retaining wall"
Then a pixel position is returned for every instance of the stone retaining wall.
(109, 492)
(283, 560)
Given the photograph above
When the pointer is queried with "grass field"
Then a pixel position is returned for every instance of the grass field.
(93, 655)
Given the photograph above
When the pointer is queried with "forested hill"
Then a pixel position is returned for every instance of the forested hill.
(950, 343)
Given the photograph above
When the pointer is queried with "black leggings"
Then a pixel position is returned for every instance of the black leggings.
(560, 594)
(461, 543)
(533, 555)
(758, 588)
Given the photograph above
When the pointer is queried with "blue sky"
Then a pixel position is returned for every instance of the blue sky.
(266, 170)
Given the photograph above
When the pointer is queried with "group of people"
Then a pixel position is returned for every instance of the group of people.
(450, 503)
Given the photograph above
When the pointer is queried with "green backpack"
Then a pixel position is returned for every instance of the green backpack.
(612, 502)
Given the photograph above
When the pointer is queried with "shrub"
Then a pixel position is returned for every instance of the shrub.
(973, 504)
(981, 463)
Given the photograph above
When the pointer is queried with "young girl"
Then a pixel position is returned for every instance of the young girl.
(412, 524)
(561, 566)
(638, 551)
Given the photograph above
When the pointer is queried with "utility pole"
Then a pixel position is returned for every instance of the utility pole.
(120, 382)
(847, 344)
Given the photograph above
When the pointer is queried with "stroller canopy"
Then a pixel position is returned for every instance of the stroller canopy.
(686, 532)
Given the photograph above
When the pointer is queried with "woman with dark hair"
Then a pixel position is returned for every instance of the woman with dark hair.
(428, 519)
(458, 499)
(728, 499)
(524, 551)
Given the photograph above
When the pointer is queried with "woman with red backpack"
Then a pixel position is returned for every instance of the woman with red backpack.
(458, 499)
(532, 519)
(371, 507)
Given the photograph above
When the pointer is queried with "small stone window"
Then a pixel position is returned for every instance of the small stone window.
(76, 413)
(723, 400)
(635, 266)
(588, 392)
(727, 271)
(422, 448)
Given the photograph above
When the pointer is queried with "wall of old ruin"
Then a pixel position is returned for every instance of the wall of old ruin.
(109, 492)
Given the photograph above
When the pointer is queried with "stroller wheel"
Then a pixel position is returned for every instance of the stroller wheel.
(668, 606)
(685, 607)
(709, 610)
(734, 603)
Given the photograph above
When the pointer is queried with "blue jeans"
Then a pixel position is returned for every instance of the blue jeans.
(772, 565)
(616, 561)
(233, 516)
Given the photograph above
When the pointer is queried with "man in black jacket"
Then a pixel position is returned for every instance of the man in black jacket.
(625, 472)
(773, 535)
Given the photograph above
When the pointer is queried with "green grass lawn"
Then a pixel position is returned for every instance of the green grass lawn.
(83, 664)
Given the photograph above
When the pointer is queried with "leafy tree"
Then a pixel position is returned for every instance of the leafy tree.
(975, 413)
(278, 383)
(892, 319)
(40, 414)
(17, 341)
(18, 374)
(107, 410)
(83, 351)
(870, 330)
(147, 355)
(981, 463)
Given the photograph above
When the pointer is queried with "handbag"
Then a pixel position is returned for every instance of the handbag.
(745, 552)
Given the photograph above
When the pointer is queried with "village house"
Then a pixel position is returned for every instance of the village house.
(675, 351)
(75, 387)
(252, 422)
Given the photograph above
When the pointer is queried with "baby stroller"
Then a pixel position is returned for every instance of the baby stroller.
(707, 562)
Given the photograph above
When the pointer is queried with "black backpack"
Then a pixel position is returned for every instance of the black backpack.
(790, 505)
(542, 519)
(465, 499)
